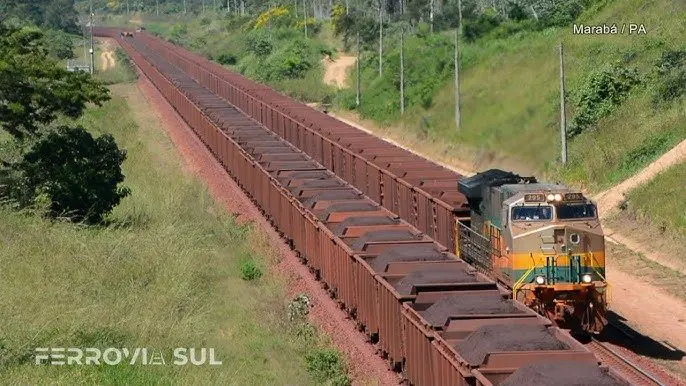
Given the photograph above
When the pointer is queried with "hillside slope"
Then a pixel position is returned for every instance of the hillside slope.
(510, 94)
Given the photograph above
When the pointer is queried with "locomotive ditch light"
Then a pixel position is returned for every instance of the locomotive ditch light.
(540, 280)
(587, 278)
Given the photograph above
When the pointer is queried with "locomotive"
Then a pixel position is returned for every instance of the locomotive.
(543, 242)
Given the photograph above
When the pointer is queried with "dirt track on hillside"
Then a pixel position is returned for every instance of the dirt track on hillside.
(336, 70)
(609, 200)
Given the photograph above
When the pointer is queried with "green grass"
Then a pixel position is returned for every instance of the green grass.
(510, 96)
(165, 272)
(658, 201)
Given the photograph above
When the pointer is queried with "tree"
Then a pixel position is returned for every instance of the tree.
(33, 89)
(76, 173)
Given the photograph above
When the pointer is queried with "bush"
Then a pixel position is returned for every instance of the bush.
(258, 43)
(482, 25)
(227, 59)
(602, 92)
(326, 365)
(563, 13)
(76, 174)
(299, 307)
(250, 271)
(671, 76)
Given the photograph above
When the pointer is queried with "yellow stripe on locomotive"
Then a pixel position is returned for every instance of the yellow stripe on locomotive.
(542, 241)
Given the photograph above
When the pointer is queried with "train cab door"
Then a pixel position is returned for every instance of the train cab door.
(496, 255)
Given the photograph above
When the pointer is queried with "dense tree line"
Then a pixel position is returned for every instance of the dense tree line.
(52, 14)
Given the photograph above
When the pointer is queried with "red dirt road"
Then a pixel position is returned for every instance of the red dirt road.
(365, 366)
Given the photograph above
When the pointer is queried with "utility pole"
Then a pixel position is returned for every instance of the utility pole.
(157, 7)
(458, 117)
(563, 114)
(431, 16)
(91, 50)
(402, 74)
(347, 7)
(185, 10)
(305, 15)
(459, 14)
(380, 38)
(357, 97)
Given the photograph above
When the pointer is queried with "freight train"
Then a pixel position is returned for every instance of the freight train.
(544, 242)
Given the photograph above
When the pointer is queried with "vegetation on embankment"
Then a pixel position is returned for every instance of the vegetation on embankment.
(655, 208)
(164, 271)
(510, 92)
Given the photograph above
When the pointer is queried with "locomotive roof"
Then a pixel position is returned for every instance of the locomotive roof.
(537, 187)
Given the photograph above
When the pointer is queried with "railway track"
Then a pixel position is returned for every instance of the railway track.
(432, 316)
(609, 356)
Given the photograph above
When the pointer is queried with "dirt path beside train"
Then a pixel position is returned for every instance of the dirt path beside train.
(365, 366)
(336, 71)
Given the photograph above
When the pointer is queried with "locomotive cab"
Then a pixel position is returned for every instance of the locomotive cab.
(543, 241)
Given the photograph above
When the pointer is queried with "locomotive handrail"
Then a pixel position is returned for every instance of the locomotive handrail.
(520, 283)
(607, 284)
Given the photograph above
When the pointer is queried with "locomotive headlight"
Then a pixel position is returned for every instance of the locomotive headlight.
(540, 280)
(551, 197)
(558, 197)
(586, 278)
(574, 238)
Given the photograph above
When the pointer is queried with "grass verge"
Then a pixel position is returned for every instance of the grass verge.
(164, 272)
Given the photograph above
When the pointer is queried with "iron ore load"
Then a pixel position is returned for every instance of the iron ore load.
(542, 241)
(434, 317)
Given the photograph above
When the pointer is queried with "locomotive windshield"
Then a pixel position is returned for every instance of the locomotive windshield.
(532, 213)
(575, 211)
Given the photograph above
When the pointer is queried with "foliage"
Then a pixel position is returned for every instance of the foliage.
(299, 308)
(313, 25)
(27, 105)
(52, 14)
(226, 59)
(327, 366)
(602, 92)
(250, 270)
(259, 43)
(671, 76)
(273, 17)
(60, 44)
(432, 63)
(482, 25)
(77, 174)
